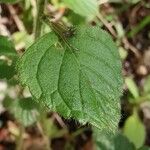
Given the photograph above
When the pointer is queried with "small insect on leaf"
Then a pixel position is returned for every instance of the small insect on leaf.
(70, 32)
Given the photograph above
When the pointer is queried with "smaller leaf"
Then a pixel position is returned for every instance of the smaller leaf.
(6, 71)
(9, 1)
(6, 47)
(86, 8)
(147, 85)
(120, 30)
(51, 130)
(132, 87)
(7, 63)
(23, 39)
(123, 53)
(144, 148)
(75, 18)
(24, 110)
(107, 141)
(7, 103)
(122, 143)
(134, 130)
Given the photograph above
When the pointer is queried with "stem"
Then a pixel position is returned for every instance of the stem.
(78, 132)
(38, 23)
(20, 138)
(48, 143)
(43, 128)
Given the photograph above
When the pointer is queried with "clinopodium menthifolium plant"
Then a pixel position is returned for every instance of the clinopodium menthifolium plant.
(75, 73)
(77, 76)
(71, 69)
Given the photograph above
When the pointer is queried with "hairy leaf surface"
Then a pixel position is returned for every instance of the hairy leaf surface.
(82, 81)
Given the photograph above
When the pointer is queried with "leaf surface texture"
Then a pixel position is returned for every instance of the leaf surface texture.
(82, 81)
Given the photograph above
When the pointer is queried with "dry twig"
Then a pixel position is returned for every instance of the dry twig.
(124, 41)
(59, 120)
(17, 20)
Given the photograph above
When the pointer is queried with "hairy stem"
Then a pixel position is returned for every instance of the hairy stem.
(40, 4)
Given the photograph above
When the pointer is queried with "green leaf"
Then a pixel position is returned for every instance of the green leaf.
(86, 8)
(140, 26)
(24, 110)
(122, 143)
(75, 19)
(83, 81)
(123, 53)
(134, 130)
(9, 1)
(51, 130)
(7, 66)
(132, 87)
(6, 71)
(107, 141)
(6, 47)
(103, 140)
(144, 148)
(147, 85)
(22, 38)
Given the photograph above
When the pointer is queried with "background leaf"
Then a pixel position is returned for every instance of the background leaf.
(83, 81)
(132, 87)
(6, 71)
(145, 148)
(135, 130)
(6, 47)
(86, 8)
(147, 85)
(7, 63)
(9, 1)
(24, 110)
(107, 141)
